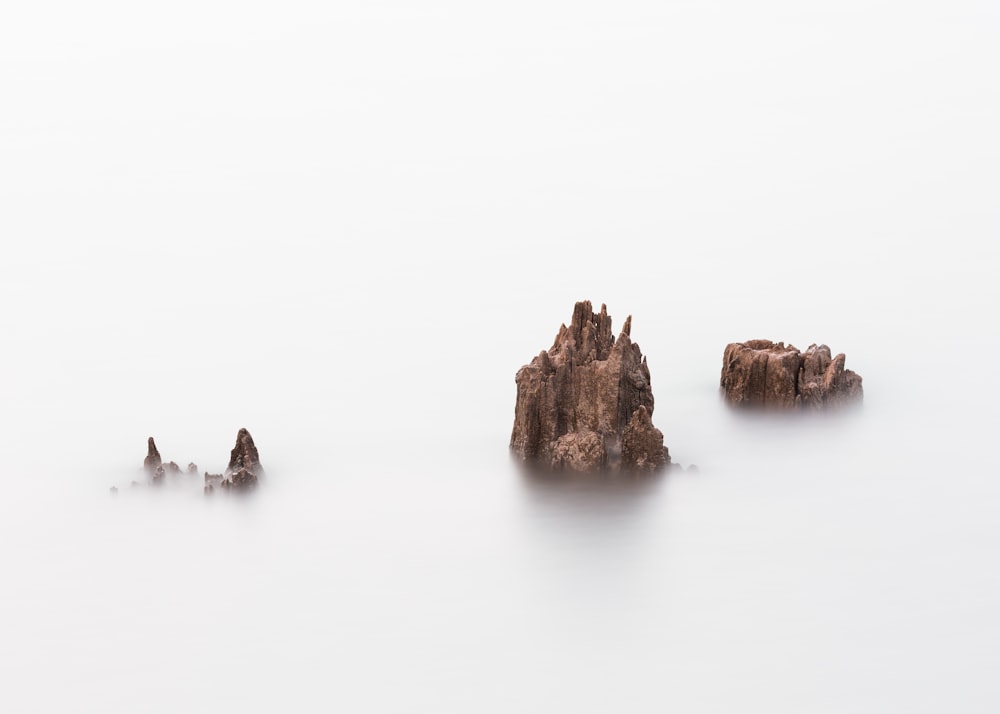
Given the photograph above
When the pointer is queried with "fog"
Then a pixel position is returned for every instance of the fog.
(345, 228)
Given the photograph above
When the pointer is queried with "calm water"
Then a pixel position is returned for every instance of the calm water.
(817, 565)
(345, 226)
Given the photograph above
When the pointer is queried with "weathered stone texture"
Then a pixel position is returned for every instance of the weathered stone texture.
(575, 400)
(244, 462)
(642, 443)
(768, 375)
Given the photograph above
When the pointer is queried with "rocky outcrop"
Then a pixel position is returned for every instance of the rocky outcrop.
(642, 443)
(244, 463)
(152, 460)
(243, 472)
(766, 375)
(577, 400)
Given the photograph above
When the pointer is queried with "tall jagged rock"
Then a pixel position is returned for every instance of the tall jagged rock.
(244, 462)
(152, 460)
(575, 400)
(769, 375)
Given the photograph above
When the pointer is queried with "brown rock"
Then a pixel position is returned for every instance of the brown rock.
(243, 473)
(767, 375)
(824, 383)
(243, 478)
(244, 456)
(575, 400)
(580, 451)
(642, 444)
(152, 460)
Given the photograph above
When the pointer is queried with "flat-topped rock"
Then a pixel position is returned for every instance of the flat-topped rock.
(770, 375)
(576, 400)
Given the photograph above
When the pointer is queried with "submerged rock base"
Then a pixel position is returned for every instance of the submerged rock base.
(767, 375)
(585, 404)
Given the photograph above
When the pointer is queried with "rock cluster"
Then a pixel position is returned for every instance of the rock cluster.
(242, 473)
(586, 403)
(767, 375)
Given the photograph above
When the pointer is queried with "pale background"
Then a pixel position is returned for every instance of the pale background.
(345, 226)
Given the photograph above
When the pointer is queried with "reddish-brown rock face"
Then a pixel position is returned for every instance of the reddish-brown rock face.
(244, 462)
(642, 443)
(575, 400)
(768, 375)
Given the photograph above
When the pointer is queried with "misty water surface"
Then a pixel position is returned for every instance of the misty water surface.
(345, 228)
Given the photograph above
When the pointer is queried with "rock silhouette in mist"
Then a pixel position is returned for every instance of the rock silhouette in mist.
(152, 460)
(243, 471)
(586, 403)
(766, 375)
(244, 463)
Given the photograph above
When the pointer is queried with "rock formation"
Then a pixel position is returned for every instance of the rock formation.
(243, 471)
(244, 463)
(767, 375)
(152, 460)
(585, 404)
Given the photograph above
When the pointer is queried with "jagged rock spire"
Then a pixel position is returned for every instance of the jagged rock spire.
(152, 460)
(575, 400)
(244, 462)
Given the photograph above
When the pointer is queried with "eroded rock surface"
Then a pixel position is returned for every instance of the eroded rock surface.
(642, 443)
(243, 471)
(768, 375)
(577, 400)
(244, 462)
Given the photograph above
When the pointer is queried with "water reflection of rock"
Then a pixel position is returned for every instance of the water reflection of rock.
(593, 499)
(591, 539)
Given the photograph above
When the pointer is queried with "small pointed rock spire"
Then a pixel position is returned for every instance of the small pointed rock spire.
(244, 462)
(152, 460)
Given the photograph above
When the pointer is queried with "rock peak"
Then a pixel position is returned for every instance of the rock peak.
(575, 401)
(244, 461)
(587, 338)
(152, 460)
